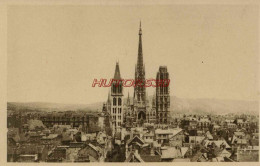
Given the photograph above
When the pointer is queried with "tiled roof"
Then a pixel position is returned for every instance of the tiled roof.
(184, 151)
(66, 137)
(130, 140)
(93, 147)
(51, 136)
(209, 135)
(170, 152)
(224, 153)
(35, 123)
(217, 143)
(239, 133)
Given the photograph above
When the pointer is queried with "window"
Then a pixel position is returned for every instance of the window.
(119, 101)
(114, 101)
(113, 88)
(120, 88)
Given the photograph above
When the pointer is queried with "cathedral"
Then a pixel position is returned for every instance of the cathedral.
(140, 109)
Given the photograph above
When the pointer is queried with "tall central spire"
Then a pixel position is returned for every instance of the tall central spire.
(140, 50)
(139, 91)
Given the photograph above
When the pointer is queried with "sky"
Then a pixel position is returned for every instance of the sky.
(55, 52)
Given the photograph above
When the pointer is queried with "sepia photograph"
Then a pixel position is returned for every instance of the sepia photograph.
(132, 82)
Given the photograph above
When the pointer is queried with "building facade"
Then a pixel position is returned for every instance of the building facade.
(139, 109)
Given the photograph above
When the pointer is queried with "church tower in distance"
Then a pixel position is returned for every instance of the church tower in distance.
(116, 111)
(162, 97)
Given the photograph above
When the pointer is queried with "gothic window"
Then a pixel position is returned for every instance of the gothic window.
(114, 101)
(113, 88)
(119, 101)
(120, 88)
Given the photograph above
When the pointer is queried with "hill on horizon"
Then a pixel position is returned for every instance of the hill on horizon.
(177, 105)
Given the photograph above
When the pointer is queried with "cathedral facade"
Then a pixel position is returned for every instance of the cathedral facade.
(140, 109)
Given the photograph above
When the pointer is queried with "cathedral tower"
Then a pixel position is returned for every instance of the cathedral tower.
(162, 97)
(116, 111)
